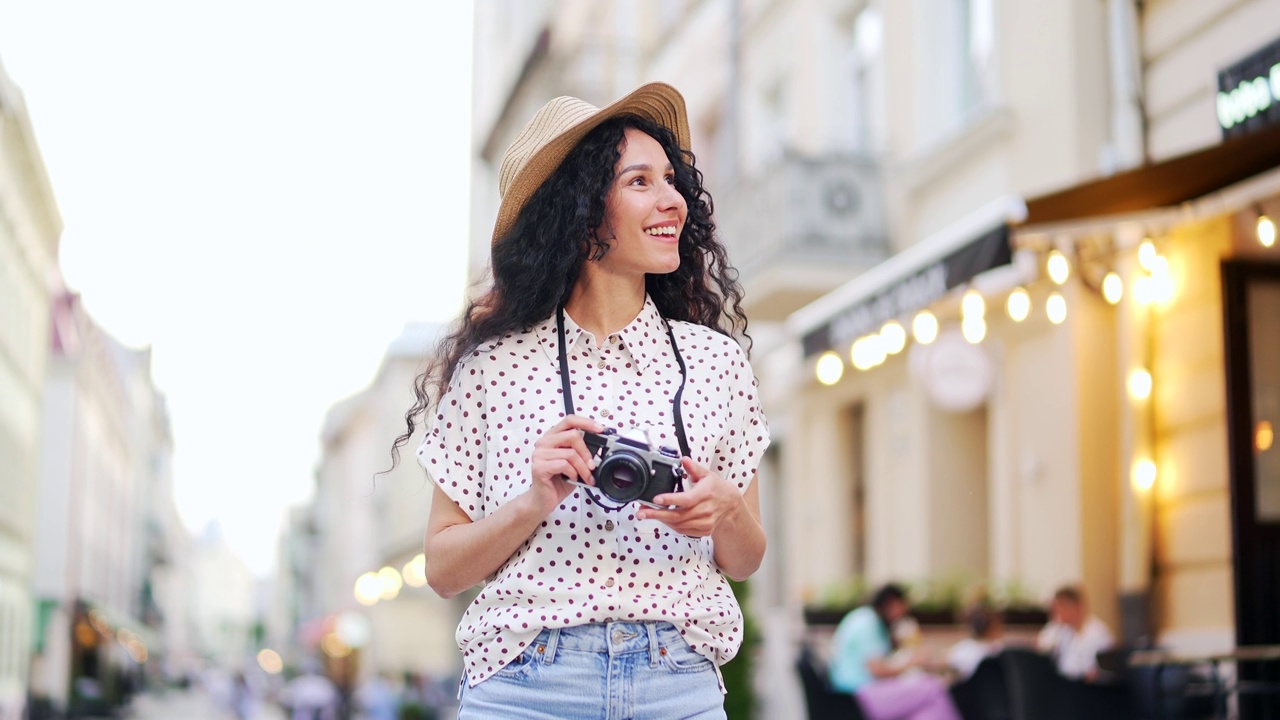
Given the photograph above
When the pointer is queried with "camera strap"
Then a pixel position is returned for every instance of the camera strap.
(567, 394)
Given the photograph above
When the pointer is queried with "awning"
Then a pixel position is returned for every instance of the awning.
(910, 280)
(1163, 184)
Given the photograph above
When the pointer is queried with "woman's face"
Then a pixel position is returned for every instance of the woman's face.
(644, 214)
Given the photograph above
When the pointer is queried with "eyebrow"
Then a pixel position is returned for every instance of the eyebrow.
(642, 167)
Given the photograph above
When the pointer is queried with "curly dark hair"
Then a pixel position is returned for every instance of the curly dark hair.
(553, 236)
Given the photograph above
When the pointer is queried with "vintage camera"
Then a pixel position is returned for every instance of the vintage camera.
(630, 469)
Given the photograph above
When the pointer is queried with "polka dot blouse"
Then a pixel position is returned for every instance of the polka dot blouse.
(583, 564)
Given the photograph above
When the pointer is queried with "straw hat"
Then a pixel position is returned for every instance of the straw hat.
(559, 125)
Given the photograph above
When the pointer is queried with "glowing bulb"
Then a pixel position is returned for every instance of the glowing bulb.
(925, 327)
(973, 329)
(830, 368)
(391, 583)
(1059, 268)
(1144, 475)
(868, 352)
(1161, 281)
(1266, 231)
(368, 589)
(1264, 436)
(1056, 308)
(1019, 305)
(270, 661)
(1140, 384)
(1143, 290)
(973, 306)
(1146, 253)
(415, 571)
(1112, 288)
(894, 337)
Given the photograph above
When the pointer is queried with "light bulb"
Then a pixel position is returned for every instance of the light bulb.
(1018, 305)
(974, 329)
(1266, 231)
(1059, 268)
(924, 327)
(1112, 288)
(1056, 308)
(1140, 384)
(830, 368)
(973, 306)
(894, 337)
(1144, 475)
(1146, 253)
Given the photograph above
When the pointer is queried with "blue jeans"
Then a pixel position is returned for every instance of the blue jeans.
(640, 671)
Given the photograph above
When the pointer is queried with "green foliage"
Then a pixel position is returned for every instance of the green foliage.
(740, 702)
(843, 594)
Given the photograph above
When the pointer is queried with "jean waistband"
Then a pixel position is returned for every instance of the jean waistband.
(614, 638)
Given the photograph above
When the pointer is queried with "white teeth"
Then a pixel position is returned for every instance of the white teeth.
(661, 231)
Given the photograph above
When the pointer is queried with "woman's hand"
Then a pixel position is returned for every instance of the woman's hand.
(698, 511)
(561, 455)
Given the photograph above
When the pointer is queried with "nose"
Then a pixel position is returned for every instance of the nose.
(670, 199)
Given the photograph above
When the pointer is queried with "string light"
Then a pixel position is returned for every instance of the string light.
(974, 329)
(1266, 230)
(972, 305)
(894, 337)
(1161, 282)
(1146, 254)
(924, 327)
(1264, 436)
(1018, 305)
(830, 368)
(1140, 384)
(1144, 475)
(868, 352)
(1056, 308)
(1059, 268)
(1143, 290)
(1112, 288)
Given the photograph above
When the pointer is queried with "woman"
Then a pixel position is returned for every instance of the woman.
(887, 686)
(612, 306)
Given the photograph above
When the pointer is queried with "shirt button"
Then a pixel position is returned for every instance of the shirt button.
(604, 414)
(600, 364)
(608, 524)
(608, 583)
(613, 339)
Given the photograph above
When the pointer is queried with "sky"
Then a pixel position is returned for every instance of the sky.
(262, 191)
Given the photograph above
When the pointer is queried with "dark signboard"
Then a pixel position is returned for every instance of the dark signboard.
(1249, 92)
(912, 293)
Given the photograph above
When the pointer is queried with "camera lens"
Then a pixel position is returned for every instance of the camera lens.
(622, 477)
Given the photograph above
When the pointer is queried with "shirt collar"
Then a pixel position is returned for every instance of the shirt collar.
(644, 337)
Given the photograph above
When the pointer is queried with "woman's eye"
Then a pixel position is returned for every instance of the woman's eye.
(671, 179)
(638, 180)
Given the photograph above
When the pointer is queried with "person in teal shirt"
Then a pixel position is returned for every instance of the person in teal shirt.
(862, 664)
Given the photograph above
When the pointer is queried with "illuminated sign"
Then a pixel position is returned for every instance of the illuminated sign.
(1249, 92)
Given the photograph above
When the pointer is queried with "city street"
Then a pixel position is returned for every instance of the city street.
(192, 705)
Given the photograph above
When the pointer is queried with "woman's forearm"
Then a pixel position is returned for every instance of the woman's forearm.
(461, 553)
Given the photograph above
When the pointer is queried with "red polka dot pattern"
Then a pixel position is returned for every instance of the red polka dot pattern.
(585, 565)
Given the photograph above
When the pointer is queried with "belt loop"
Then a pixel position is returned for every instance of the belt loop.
(654, 649)
(553, 639)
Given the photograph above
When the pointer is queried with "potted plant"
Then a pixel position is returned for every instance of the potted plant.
(835, 600)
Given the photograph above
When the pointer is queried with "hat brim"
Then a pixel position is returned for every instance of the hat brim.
(658, 102)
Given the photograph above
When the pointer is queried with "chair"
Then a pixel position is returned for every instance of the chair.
(984, 695)
(822, 701)
(1034, 686)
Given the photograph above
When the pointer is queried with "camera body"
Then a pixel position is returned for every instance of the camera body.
(629, 469)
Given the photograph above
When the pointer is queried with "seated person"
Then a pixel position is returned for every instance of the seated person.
(888, 686)
(986, 630)
(1073, 637)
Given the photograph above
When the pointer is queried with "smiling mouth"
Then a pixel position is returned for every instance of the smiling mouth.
(663, 231)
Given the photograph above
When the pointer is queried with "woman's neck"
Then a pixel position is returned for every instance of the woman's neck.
(603, 308)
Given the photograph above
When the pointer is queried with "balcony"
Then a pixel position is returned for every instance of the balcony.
(802, 229)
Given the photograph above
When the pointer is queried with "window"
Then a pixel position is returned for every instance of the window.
(958, 63)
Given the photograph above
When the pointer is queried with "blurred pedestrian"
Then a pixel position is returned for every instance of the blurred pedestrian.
(986, 638)
(377, 700)
(612, 305)
(310, 695)
(886, 684)
(1074, 636)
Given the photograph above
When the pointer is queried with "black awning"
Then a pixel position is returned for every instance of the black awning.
(911, 293)
(1163, 184)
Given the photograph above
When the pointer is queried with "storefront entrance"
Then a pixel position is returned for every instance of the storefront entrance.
(1251, 302)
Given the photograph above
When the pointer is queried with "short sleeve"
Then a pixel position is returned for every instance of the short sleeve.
(455, 449)
(740, 449)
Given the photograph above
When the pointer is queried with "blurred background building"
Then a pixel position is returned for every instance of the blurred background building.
(909, 176)
(29, 230)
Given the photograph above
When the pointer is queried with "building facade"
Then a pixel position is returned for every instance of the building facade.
(360, 597)
(30, 226)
